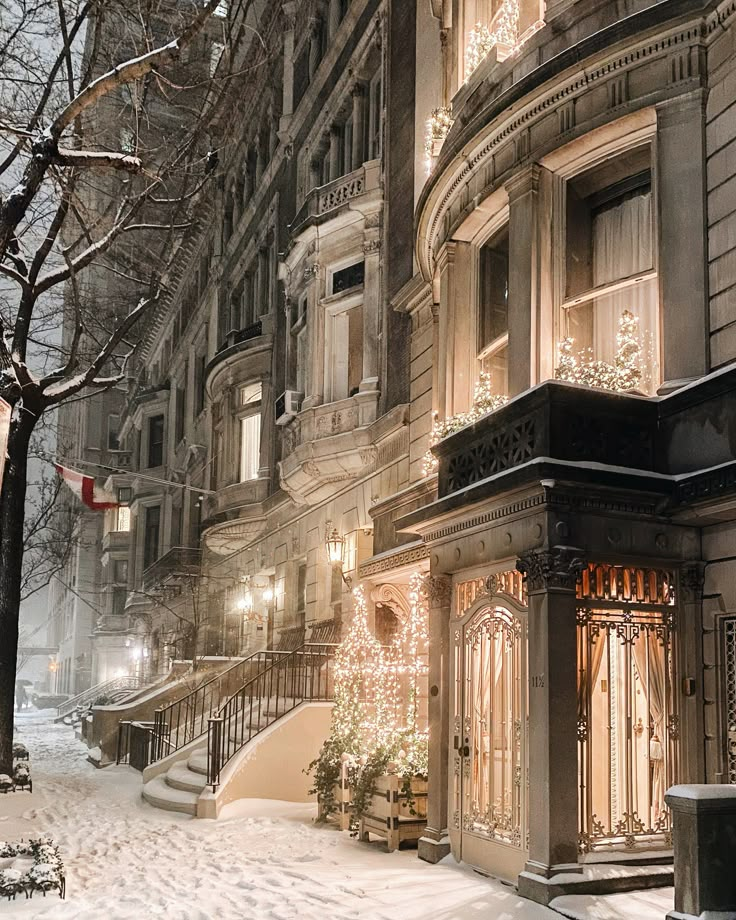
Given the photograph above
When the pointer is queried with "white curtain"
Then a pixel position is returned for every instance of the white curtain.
(649, 657)
(622, 246)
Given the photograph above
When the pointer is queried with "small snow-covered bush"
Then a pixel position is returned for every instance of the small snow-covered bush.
(11, 882)
(6, 782)
(44, 876)
(20, 751)
(7, 850)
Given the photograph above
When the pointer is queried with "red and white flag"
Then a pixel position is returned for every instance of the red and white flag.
(86, 489)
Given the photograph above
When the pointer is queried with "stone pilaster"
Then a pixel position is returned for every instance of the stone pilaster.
(435, 844)
(371, 301)
(358, 149)
(681, 197)
(551, 577)
(689, 666)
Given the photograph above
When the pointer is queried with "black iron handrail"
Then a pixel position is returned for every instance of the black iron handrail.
(102, 689)
(292, 678)
(185, 719)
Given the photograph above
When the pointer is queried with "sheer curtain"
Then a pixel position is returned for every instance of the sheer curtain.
(649, 658)
(622, 246)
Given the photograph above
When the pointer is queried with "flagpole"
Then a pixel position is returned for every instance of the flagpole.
(164, 482)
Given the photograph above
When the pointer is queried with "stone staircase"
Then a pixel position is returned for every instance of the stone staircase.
(181, 786)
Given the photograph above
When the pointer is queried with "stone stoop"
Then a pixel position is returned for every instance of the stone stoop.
(596, 879)
(181, 786)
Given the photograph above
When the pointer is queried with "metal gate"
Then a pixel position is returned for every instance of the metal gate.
(730, 650)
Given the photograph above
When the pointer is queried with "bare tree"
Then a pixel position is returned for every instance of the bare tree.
(105, 109)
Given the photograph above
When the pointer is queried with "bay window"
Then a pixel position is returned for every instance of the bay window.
(610, 265)
(249, 421)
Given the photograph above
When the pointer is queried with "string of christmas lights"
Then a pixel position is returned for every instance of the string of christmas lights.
(438, 127)
(484, 401)
(481, 40)
(624, 374)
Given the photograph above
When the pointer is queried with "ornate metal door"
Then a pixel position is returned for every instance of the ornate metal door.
(489, 771)
(628, 727)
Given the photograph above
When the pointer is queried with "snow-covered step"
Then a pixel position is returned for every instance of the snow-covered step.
(160, 794)
(197, 762)
(179, 776)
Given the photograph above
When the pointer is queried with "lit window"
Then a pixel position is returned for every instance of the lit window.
(250, 446)
(343, 352)
(250, 431)
(610, 266)
(121, 520)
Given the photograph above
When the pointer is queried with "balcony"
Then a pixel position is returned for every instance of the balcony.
(680, 447)
(327, 446)
(348, 192)
(236, 516)
(115, 540)
(256, 339)
(180, 563)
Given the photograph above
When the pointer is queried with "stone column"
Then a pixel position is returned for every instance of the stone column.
(287, 98)
(704, 818)
(335, 142)
(315, 173)
(371, 301)
(688, 689)
(681, 198)
(524, 281)
(553, 747)
(315, 46)
(435, 844)
(358, 151)
(333, 17)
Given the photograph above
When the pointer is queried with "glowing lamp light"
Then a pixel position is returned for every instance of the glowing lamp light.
(245, 602)
(137, 653)
(335, 546)
(268, 595)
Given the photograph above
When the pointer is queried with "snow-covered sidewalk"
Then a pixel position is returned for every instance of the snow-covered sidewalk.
(128, 861)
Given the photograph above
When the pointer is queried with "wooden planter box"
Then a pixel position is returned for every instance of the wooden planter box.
(344, 804)
(390, 814)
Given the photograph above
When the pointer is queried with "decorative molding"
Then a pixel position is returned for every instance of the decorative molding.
(438, 215)
(393, 596)
(557, 568)
(488, 517)
(692, 579)
(439, 590)
(395, 560)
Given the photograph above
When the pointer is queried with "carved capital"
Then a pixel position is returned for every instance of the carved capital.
(439, 590)
(558, 568)
(692, 579)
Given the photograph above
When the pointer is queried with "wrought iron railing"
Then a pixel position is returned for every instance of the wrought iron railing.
(135, 742)
(305, 674)
(106, 688)
(187, 718)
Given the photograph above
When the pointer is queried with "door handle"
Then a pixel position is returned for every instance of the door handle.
(466, 750)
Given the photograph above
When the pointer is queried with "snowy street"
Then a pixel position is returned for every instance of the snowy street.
(128, 861)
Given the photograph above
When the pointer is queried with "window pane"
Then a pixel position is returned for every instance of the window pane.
(493, 319)
(156, 440)
(622, 239)
(122, 519)
(251, 394)
(250, 447)
(151, 536)
(594, 325)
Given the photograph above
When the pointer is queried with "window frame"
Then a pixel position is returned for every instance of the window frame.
(247, 411)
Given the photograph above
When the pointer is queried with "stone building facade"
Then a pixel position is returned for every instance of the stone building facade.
(579, 541)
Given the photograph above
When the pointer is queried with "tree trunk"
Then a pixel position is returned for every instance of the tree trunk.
(12, 510)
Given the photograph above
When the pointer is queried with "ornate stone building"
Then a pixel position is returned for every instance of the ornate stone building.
(570, 174)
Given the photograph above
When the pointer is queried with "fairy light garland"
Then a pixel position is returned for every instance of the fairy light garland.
(481, 40)
(624, 374)
(484, 401)
(438, 127)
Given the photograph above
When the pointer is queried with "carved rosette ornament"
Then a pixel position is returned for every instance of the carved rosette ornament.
(558, 568)
(439, 590)
(692, 579)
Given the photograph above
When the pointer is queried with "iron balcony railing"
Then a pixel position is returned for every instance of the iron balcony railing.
(115, 686)
(292, 677)
(187, 718)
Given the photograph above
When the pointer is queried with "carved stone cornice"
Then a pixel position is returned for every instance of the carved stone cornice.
(439, 590)
(557, 568)
(692, 579)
